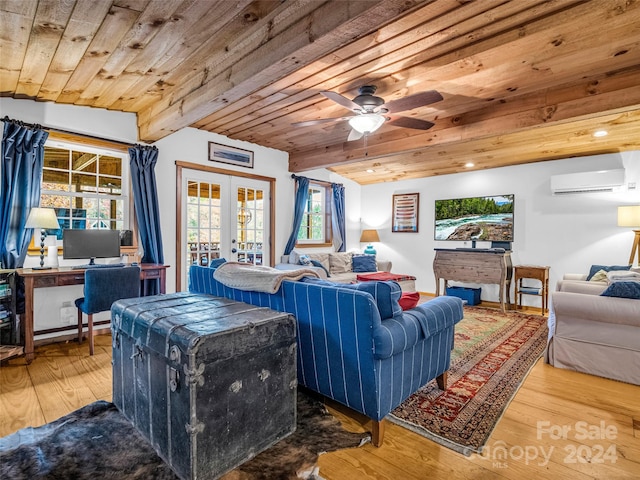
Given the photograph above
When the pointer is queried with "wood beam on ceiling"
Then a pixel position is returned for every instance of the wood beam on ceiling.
(546, 142)
(300, 41)
(604, 95)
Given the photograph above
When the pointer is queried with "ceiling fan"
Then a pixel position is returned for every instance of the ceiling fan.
(371, 111)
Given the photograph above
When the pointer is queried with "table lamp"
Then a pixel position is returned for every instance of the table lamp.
(629, 216)
(42, 218)
(369, 236)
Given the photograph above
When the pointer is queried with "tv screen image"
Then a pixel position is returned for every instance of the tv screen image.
(475, 218)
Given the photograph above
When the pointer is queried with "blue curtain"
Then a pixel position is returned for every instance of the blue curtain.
(338, 218)
(302, 194)
(145, 195)
(22, 161)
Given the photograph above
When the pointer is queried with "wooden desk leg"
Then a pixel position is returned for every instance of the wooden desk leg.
(163, 280)
(28, 319)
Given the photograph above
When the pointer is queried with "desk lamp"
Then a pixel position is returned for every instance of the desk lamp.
(369, 236)
(42, 218)
(629, 216)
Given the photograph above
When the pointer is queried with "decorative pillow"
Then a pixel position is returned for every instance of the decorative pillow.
(596, 268)
(599, 276)
(316, 263)
(409, 300)
(340, 263)
(304, 260)
(216, 262)
(623, 289)
(364, 263)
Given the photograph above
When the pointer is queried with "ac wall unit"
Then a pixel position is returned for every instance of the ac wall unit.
(588, 182)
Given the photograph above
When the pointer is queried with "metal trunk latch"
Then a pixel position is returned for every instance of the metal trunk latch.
(174, 379)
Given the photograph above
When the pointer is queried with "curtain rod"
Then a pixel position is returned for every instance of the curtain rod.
(293, 175)
(69, 132)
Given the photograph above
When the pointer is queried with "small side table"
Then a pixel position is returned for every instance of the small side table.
(536, 273)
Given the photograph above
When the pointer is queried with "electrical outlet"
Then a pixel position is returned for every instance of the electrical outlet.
(631, 186)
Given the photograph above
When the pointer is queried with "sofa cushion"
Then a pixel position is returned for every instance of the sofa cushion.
(216, 262)
(340, 262)
(607, 268)
(364, 263)
(623, 289)
(385, 294)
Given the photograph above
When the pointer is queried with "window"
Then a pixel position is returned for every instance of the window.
(88, 187)
(315, 229)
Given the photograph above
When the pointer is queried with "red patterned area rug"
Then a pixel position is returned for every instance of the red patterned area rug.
(493, 354)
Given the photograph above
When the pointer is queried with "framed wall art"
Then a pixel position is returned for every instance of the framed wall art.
(231, 155)
(405, 212)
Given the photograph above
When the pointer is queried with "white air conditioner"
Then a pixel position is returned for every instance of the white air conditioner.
(588, 182)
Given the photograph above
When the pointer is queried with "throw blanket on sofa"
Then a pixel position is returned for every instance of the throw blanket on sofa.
(257, 278)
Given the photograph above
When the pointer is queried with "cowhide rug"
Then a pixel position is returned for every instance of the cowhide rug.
(97, 442)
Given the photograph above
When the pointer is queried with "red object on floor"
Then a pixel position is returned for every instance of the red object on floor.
(409, 300)
(383, 276)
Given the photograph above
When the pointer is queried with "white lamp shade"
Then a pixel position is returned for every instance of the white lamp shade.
(629, 216)
(367, 122)
(42, 218)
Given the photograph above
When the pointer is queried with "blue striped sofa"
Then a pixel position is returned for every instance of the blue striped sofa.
(347, 350)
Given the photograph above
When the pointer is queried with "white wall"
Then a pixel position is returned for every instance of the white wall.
(567, 233)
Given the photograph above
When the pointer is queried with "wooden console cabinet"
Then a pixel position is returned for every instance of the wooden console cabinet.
(475, 266)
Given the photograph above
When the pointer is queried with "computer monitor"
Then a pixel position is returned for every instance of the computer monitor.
(92, 244)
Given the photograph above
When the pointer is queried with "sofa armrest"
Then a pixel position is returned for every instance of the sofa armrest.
(577, 286)
(569, 306)
(383, 265)
(575, 276)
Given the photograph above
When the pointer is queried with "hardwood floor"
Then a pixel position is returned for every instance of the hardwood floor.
(63, 377)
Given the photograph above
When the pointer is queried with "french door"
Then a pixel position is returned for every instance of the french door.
(223, 216)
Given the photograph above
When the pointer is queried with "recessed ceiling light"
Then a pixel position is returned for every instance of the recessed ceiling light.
(600, 133)
(469, 165)
(370, 170)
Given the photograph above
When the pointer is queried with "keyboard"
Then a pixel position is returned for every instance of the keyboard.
(97, 265)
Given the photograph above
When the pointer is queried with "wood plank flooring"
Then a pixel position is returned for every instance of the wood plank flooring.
(63, 377)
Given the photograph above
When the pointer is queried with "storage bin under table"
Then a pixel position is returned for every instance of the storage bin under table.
(209, 381)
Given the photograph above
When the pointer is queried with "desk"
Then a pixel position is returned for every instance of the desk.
(58, 277)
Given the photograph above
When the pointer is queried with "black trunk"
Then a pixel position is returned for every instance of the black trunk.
(210, 382)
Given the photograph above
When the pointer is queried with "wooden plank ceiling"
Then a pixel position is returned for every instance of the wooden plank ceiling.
(522, 80)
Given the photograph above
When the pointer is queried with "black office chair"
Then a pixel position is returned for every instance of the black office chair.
(102, 287)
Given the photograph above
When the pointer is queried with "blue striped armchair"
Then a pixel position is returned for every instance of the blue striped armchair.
(355, 344)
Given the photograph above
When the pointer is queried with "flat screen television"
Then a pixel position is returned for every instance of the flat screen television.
(90, 244)
(486, 219)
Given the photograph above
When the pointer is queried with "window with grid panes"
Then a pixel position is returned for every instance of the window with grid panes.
(315, 229)
(87, 187)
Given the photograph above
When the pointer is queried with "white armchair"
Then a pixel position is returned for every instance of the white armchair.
(593, 334)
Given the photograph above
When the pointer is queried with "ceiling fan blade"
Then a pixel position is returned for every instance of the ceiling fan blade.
(410, 102)
(320, 121)
(340, 100)
(408, 122)
(354, 135)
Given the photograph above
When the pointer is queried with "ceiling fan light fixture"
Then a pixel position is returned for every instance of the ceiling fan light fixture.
(367, 122)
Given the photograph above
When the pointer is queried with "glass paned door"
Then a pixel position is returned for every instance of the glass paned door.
(250, 227)
(203, 222)
(223, 217)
